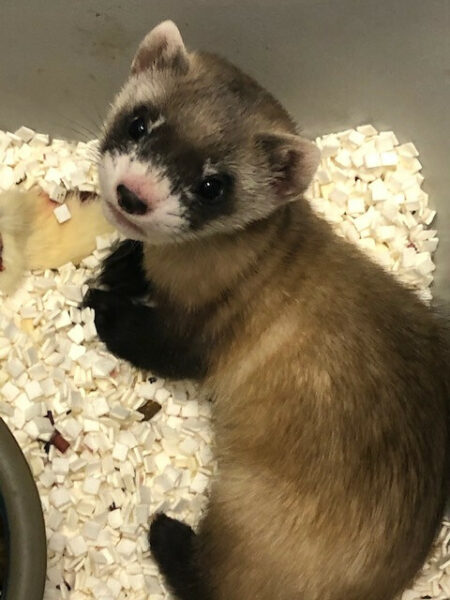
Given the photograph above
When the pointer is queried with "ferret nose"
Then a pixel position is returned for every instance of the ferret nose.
(129, 202)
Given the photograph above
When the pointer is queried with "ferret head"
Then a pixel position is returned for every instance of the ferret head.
(195, 147)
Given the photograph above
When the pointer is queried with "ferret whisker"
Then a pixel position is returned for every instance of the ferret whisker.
(94, 126)
(83, 129)
(78, 128)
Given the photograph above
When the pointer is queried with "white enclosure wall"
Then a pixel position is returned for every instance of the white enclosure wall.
(334, 63)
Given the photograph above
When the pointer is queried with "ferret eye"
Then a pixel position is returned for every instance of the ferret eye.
(137, 128)
(212, 188)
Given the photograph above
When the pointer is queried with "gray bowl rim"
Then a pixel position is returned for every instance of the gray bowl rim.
(25, 527)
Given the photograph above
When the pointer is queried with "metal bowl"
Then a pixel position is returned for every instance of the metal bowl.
(23, 523)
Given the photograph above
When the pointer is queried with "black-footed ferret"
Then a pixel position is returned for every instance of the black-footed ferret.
(330, 379)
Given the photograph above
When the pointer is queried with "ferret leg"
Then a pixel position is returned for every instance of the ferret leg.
(137, 333)
(122, 270)
(172, 545)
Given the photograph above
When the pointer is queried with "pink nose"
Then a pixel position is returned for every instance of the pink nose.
(130, 202)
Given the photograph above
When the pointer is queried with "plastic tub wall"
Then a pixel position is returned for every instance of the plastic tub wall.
(333, 63)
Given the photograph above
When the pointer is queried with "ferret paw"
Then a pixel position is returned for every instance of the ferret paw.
(120, 324)
(172, 546)
(122, 270)
(108, 308)
(170, 542)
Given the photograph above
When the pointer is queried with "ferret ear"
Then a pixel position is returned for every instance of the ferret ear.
(162, 48)
(292, 160)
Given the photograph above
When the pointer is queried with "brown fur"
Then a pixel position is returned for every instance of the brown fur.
(331, 412)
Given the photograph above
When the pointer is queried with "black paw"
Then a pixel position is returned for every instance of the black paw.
(125, 326)
(170, 542)
(122, 270)
(108, 308)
